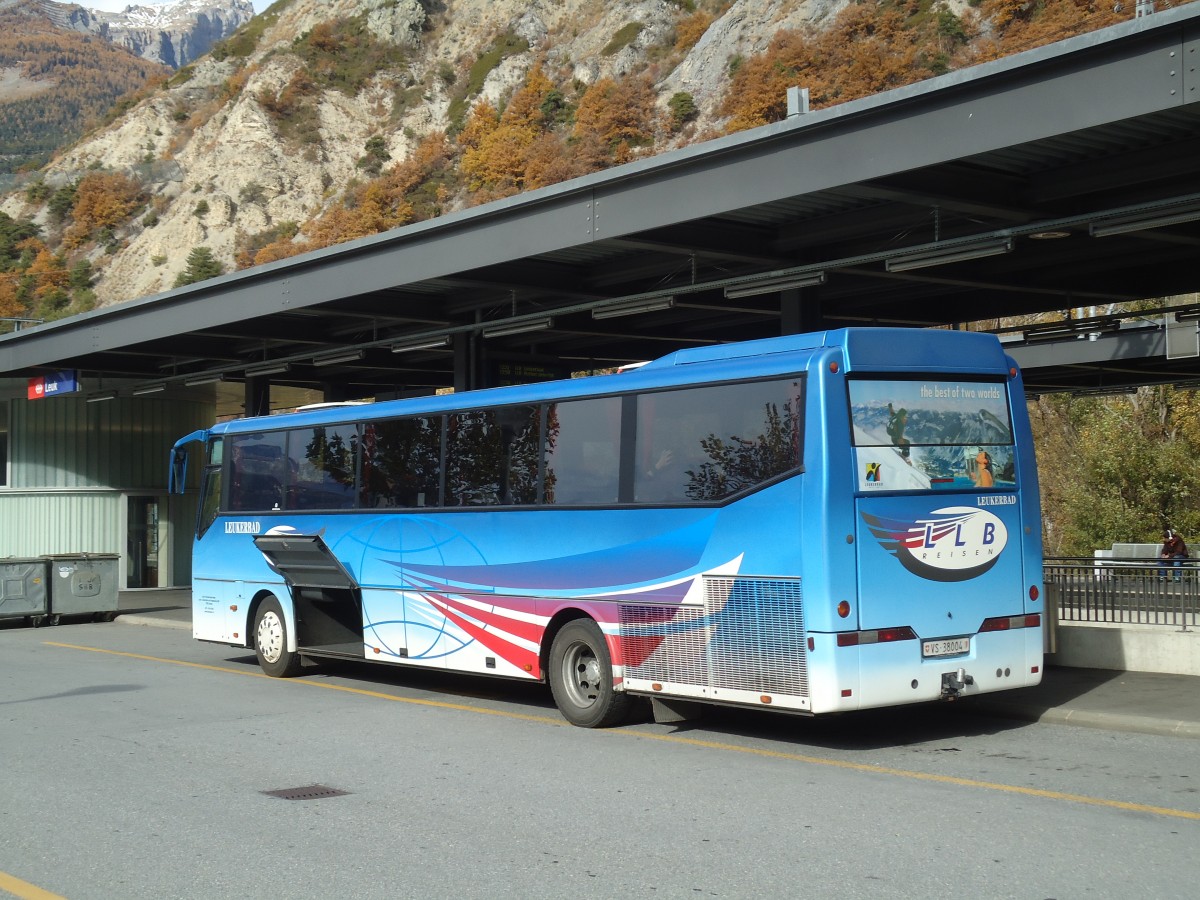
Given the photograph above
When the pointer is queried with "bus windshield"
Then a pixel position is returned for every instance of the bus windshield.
(931, 434)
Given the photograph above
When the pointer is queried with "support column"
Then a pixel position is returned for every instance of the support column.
(468, 363)
(797, 317)
(332, 392)
(257, 395)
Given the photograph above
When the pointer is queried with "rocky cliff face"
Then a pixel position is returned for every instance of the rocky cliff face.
(174, 34)
(178, 33)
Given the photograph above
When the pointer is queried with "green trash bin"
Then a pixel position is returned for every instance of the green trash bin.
(83, 584)
(23, 589)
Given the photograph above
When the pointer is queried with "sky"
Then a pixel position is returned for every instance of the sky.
(118, 5)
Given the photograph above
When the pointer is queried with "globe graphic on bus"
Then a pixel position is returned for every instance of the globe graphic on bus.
(402, 617)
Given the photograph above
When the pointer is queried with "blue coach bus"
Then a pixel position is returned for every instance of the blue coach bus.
(811, 524)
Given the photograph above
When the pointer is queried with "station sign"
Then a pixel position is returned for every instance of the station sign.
(505, 372)
(42, 386)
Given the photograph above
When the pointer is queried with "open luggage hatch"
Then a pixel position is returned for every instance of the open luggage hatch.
(327, 600)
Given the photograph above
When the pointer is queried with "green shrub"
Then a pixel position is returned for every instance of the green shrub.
(252, 193)
(344, 55)
(505, 46)
(37, 192)
(245, 40)
(683, 109)
(623, 38)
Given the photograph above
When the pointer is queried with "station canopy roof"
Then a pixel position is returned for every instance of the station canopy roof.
(1066, 178)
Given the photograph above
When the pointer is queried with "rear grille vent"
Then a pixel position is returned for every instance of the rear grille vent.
(749, 636)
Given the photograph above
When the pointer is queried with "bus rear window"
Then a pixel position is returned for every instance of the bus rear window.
(931, 434)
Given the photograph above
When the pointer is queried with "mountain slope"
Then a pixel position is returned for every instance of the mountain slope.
(54, 80)
(322, 121)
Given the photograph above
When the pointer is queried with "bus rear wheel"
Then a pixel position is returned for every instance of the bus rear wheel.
(581, 678)
(271, 641)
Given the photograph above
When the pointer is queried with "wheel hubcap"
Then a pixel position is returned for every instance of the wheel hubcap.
(581, 674)
(270, 637)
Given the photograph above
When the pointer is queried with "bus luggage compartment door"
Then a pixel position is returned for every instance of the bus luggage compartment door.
(326, 598)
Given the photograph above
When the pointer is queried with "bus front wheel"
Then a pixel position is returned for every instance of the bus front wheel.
(581, 677)
(271, 641)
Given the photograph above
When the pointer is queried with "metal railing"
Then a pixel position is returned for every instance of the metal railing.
(1125, 591)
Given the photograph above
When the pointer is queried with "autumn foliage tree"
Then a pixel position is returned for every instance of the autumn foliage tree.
(617, 116)
(865, 50)
(1016, 25)
(869, 48)
(102, 201)
(498, 150)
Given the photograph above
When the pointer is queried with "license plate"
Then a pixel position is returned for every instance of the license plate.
(947, 647)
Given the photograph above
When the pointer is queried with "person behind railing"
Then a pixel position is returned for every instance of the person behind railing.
(1173, 548)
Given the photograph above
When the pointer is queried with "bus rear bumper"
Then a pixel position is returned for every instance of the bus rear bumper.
(878, 675)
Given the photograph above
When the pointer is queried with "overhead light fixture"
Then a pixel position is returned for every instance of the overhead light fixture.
(1157, 218)
(1049, 235)
(431, 344)
(149, 389)
(1190, 314)
(952, 254)
(101, 395)
(334, 359)
(518, 327)
(755, 288)
(269, 369)
(1052, 332)
(203, 379)
(632, 308)
(1011, 337)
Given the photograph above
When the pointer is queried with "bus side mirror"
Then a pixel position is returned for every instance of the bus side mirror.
(177, 479)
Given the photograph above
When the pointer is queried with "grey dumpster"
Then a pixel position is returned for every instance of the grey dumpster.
(23, 588)
(83, 583)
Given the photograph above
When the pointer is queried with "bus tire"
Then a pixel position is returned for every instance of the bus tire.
(581, 677)
(271, 640)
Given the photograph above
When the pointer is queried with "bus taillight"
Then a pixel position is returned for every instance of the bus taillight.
(1006, 623)
(878, 636)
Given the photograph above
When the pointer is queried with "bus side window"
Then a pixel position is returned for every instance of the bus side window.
(401, 463)
(704, 444)
(257, 472)
(321, 467)
(583, 455)
(492, 457)
(519, 429)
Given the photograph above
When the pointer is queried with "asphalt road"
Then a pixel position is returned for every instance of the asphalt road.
(134, 761)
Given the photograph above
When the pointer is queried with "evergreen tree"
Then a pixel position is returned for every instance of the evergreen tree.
(201, 265)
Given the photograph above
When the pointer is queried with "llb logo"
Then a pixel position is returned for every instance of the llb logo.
(951, 544)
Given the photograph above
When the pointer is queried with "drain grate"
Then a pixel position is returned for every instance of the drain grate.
(309, 792)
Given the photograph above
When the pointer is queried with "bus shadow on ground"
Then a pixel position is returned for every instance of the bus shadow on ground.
(863, 730)
(868, 729)
(435, 685)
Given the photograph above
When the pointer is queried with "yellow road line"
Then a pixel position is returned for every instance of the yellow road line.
(23, 889)
(379, 695)
(693, 742)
